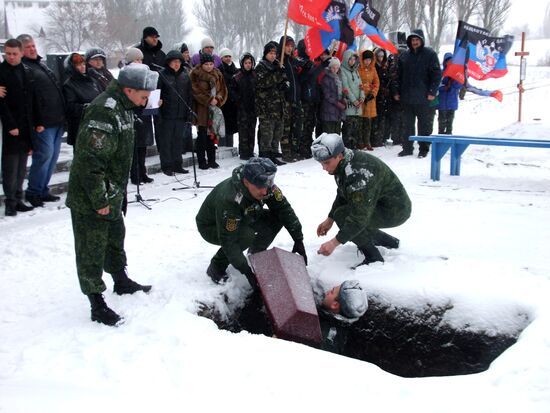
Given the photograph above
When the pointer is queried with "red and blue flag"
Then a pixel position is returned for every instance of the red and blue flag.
(309, 13)
(477, 54)
(364, 20)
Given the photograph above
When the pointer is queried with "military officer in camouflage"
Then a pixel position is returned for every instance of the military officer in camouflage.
(369, 197)
(97, 184)
(233, 216)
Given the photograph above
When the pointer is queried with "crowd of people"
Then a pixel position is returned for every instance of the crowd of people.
(334, 110)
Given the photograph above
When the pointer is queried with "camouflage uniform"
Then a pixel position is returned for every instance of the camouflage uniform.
(292, 130)
(270, 105)
(98, 178)
(369, 197)
(230, 217)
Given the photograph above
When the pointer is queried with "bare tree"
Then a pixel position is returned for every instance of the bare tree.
(69, 25)
(242, 26)
(493, 14)
(466, 9)
(170, 19)
(413, 13)
(124, 20)
(436, 17)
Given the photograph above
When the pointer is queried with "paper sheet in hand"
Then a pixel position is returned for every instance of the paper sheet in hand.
(153, 102)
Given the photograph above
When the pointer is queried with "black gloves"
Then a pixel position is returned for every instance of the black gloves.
(370, 96)
(251, 277)
(284, 86)
(300, 249)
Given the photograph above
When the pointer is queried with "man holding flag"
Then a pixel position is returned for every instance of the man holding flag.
(418, 78)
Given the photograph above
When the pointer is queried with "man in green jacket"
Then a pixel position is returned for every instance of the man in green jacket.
(233, 216)
(97, 186)
(369, 197)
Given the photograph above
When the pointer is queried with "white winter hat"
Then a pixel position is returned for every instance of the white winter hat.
(334, 62)
(352, 299)
(133, 54)
(138, 76)
(207, 42)
(327, 146)
(226, 52)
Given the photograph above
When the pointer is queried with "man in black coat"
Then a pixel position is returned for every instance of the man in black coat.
(20, 115)
(79, 90)
(418, 78)
(229, 108)
(175, 92)
(151, 47)
(46, 144)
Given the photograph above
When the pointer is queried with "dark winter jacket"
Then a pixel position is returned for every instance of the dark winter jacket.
(229, 109)
(152, 55)
(79, 90)
(203, 84)
(230, 202)
(333, 106)
(49, 93)
(365, 183)
(311, 89)
(448, 90)
(418, 73)
(19, 109)
(293, 69)
(270, 90)
(243, 88)
(383, 96)
(102, 77)
(174, 86)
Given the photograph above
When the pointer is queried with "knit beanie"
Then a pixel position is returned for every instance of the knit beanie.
(207, 42)
(333, 61)
(184, 48)
(367, 54)
(225, 52)
(269, 47)
(133, 54)
(150, 31)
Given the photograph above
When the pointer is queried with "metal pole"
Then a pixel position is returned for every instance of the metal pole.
(520, 85)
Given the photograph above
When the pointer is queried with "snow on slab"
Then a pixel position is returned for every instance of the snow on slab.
(478, 241)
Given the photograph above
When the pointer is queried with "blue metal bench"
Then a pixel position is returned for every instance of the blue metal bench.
(458, 144)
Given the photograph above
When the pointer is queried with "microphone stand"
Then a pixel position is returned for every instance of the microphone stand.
(196, 184)
(138, 198)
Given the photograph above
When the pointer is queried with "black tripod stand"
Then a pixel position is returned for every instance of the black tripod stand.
(196, 184)
(138, 198)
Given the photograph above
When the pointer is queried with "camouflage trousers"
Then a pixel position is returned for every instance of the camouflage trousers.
(99, 245)
(259, 236)
(391, 213)
(352, 131)
(292, 129)
(269, 135)
(380, 130)
(310, 120)
(366, 126)
(247, 133)
(332, 127)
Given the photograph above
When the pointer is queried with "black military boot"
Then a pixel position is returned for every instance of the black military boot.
(385, 240)
(103, 314)
(371, 254)
(217, 275)
(125, 285)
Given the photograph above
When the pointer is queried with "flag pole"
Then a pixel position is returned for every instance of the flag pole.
(284, 36)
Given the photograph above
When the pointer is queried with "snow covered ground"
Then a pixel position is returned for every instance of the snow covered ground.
(491, 223)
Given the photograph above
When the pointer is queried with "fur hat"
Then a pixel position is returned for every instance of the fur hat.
(327, 146)
(184, 48)
(333, 61)
(206, 57)
(133, 54)
(138, 76)
(150, 31)
(352, 299)
(260, 172)
(207, 42)
(225, 52)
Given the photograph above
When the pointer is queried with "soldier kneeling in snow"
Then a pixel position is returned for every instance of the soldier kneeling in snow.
(369, 197)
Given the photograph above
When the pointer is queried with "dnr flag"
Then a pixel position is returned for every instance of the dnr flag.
(477, 54)
(364, 19)
(309, 13)
(318, 40)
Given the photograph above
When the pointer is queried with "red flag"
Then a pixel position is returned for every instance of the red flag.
(309, 13)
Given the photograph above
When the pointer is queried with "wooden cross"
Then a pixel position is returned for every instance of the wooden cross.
(522, 67)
